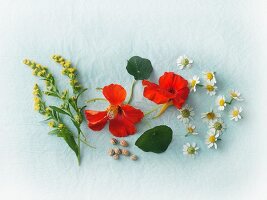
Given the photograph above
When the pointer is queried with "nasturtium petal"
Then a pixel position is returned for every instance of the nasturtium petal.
(140, 68)
(155, 140)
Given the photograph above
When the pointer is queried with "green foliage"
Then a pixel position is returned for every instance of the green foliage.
(155, 140)
(140, 68)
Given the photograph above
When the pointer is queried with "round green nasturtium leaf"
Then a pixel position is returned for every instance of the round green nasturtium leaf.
(140, 68)
(155, 140)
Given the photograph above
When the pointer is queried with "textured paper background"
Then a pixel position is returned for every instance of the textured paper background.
(99, 36)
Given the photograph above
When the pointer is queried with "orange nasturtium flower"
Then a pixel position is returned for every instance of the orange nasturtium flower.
(122, 117)
(171, 90)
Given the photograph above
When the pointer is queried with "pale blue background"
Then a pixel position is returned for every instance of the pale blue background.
(99, 36)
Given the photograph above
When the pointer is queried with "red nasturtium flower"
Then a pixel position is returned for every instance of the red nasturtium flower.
(171, 90)
(122, 117)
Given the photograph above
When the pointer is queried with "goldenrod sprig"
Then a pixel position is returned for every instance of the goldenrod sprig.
(68, 101)
(70, 71)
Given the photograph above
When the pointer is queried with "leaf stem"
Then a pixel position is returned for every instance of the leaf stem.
(153, 110)
(200, 85)
(95, 99)
(86, 143)
(229, 103)
(131, 92)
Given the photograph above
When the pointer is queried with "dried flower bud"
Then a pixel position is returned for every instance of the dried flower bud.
(113, 141)
(116, 157)
(134, 157)
(125, 152)
(124, 143)
(117, 151)
(111, 152)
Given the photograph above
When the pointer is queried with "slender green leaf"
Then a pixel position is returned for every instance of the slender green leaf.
(69, 138)
(59, 110)
(82, 91)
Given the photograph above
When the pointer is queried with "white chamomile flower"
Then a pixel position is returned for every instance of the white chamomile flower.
(236, 95)
(192, 83)
(210, 116)
(220, 101)
(191, 129)
(235, 114)
(212, 139)
(186, 114)
(210, 76)
(183, 62)
(217, 126)
(190, 149)
(211, 88)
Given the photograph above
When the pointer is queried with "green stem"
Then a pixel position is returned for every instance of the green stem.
(99, 88)
(95, 99)
(200, 85)
(153, 110)
(79, 148)
(86, 143)
(131, 92)
(229, 103)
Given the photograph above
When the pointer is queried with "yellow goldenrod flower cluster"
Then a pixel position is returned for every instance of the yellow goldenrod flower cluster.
(69, 71)
(39, 105)
(38, 70)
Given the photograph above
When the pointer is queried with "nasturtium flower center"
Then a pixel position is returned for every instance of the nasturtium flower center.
(212, 139)
(112, 111)
(210, 88)
(185, 61)
(210, 115)
(191, 150)
(235, 113)
(209, 76)
(221, 102)
(185, 113)
(218, 126)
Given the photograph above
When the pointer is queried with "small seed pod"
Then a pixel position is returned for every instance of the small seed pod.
(124, 143)
(125, 152)
(116, 157)
(117, 151)
(134, 157)
(111, 152)
(113, 141)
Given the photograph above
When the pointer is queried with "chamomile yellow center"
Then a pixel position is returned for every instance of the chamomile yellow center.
(191, 150)
(217, 126)
(233, 94)
(210, 88)
(209, 76)
(235, 113)
(185, 113)
(185, 61)
(212, 138)
(193, 83)
(210, 115)
(190, 130)
(221, 102)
